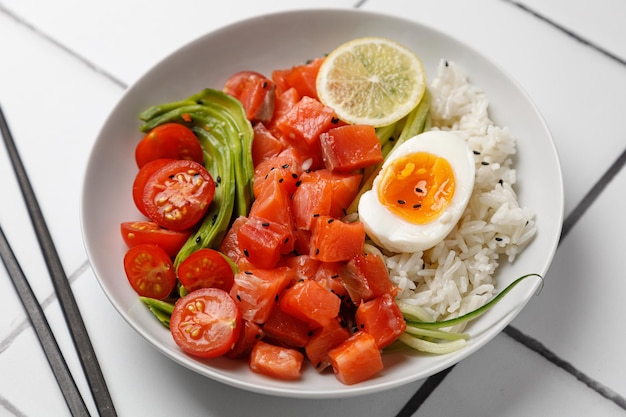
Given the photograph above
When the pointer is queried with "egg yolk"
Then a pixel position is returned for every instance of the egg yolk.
(417, 187)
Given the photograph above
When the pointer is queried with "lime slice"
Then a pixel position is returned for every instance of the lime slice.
(371, 80)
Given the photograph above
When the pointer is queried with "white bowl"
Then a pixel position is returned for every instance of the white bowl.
(280, 41)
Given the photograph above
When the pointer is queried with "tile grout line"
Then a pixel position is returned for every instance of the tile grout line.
(7, 405)
(24, 324)
(56, 43)
(567, 31)
(431, 383)
(421, 395)
(536, 346)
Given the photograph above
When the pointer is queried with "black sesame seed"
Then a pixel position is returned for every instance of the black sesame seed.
(500, 182)
(476, 152)
(171, 176)
(238, 297)
(401, 202)
(265, 224)
(317, 251)
(484, 163)
(245, 252)
(218, 179)
(213, 219)
(200, 101)
(264, 85)
(198, 239)
(416, 206)
(499, 239)
(335, 276)
(276, 298)
(294, 176)
(281, 180)
(298, 183)
(334, 120)
(286, 240)
(248, 272)
(418, 190)
(316, 215)
(286, 166)
(330, 221)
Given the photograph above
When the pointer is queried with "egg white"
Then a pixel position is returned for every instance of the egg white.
(396, 234)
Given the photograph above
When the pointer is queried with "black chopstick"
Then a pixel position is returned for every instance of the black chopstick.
(37, 318)
(61, 284)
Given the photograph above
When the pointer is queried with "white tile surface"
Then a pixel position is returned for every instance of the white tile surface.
(581, 310)
(64, 64)
(124, 39)
(506, 380)
(599, 22)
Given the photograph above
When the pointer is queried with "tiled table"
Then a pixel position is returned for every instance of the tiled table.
(63, 65)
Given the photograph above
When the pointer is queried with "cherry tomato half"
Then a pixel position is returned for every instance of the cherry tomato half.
(150, 271)
(142, 178)
(177, 195)
(255, 92)
(206, 323)
(206, 268)
(170, 140)
(142, 232)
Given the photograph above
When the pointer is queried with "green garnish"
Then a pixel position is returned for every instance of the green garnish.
(422, 333)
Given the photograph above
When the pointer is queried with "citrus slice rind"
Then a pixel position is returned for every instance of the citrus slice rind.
(371, 80)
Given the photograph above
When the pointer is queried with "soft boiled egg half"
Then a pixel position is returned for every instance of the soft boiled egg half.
(420, 192)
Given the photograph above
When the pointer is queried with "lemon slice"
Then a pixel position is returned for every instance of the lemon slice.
(371, 80)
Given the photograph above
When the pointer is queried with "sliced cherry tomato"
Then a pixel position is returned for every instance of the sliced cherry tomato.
(206, 268)
(206, 323)
(255, 92)
(150, 271)
(140, 232)
(178, 194)
(275, 361)
(142, 178)
(170, 140)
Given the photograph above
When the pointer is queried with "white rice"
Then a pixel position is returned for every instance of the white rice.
(456, 276)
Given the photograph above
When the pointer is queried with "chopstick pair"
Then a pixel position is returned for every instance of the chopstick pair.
(64, 294)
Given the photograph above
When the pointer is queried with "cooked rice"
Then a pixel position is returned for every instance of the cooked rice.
(456, 276)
